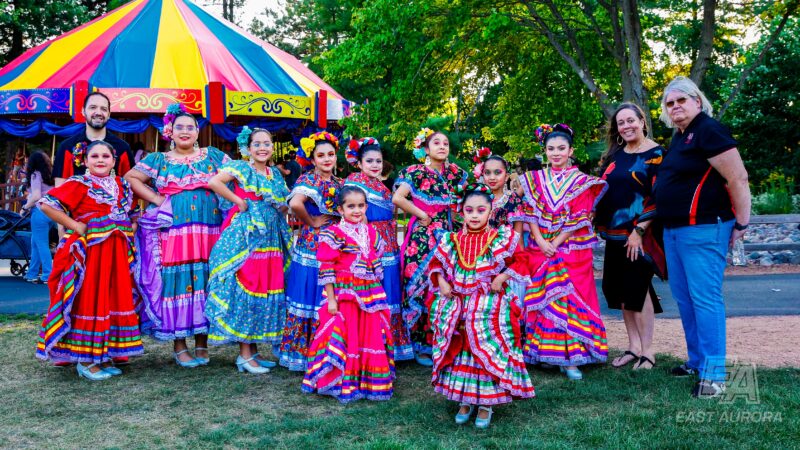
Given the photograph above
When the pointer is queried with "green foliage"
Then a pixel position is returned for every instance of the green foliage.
(147, 408)
(27, 23)
(766, 114)
(490, 69)
(776, 196)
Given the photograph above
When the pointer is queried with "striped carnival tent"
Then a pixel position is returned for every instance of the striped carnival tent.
(147, 54)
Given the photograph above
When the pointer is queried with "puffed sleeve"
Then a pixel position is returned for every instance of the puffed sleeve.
(441, 265)
(328, 254)
(582, 206)
(150, 164)
(66, 197)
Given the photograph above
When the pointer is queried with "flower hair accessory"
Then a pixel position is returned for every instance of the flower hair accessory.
(79, 153)
(544, 130)
(172, 111)
(481, 155)
(308, 143)
(461, 192)
(419, 143)
(242, 139)
(355, 146)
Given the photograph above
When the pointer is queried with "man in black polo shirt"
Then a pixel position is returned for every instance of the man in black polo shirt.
(97, 110)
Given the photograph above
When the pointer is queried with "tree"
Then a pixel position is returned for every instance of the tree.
(766, 113)
(27, 23)
(617, 24)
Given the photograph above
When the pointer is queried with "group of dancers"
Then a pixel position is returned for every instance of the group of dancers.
(487, 279)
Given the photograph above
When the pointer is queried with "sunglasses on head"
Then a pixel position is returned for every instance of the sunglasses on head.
(679, 101)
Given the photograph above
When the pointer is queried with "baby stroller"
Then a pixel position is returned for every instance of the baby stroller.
(15, 240)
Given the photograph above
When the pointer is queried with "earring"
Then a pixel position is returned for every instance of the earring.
(620, 141)
(113, 173)
(427, 160)
(172, 145)
(196, 145)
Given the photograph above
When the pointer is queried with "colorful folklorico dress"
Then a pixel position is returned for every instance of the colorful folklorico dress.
(352, 355)
(303, 292)
(92, 317)
(432, 192)
(380, 215)
(175, 241)
(476, 354)
(246, 298)
(563, 323)
(506, 210)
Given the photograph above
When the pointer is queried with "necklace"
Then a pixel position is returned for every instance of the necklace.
(359, 233)
(636, 150)
(557, 177)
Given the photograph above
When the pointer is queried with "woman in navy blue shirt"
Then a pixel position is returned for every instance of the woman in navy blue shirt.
(703, 201)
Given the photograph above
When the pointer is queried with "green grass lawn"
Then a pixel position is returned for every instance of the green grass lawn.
(156, 404)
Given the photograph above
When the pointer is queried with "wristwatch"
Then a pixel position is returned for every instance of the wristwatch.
(739, 226)
(639, 230)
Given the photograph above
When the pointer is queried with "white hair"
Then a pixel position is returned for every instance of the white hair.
(688, 87)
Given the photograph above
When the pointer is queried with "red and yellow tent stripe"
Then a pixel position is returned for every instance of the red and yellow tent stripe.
(161, 44)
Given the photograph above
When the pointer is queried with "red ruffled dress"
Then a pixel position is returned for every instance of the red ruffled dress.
(352, 354)
(92, 317)
(477, 357)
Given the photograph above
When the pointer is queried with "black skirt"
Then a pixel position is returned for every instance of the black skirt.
(627, 282)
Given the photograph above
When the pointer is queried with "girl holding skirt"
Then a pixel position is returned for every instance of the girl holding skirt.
(352, 354)
(175, 236)
(475, 314)
(246, 300)
(91, 318)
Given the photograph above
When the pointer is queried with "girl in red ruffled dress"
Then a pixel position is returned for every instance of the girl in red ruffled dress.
(91, 318)
(352, 355)
(475, 315)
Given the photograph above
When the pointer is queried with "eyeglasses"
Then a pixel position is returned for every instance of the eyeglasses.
(680, 101)
(189, 128)
(261, 144)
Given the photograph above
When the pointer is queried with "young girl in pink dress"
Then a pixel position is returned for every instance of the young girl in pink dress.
(351, 356)
(563, 325)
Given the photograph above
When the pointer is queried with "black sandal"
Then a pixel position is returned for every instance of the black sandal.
(627, 352)
(644, 359)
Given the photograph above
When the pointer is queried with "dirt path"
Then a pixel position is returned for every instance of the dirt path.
(768, 341)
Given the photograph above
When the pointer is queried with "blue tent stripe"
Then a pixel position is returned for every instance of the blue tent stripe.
(130, 56)
(10, 76)
(269, 76)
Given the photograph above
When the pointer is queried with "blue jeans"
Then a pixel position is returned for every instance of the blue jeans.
(41, 259)
(696, 263)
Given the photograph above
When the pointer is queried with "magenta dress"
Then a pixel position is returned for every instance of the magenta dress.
(563, 323)
(352, 355)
